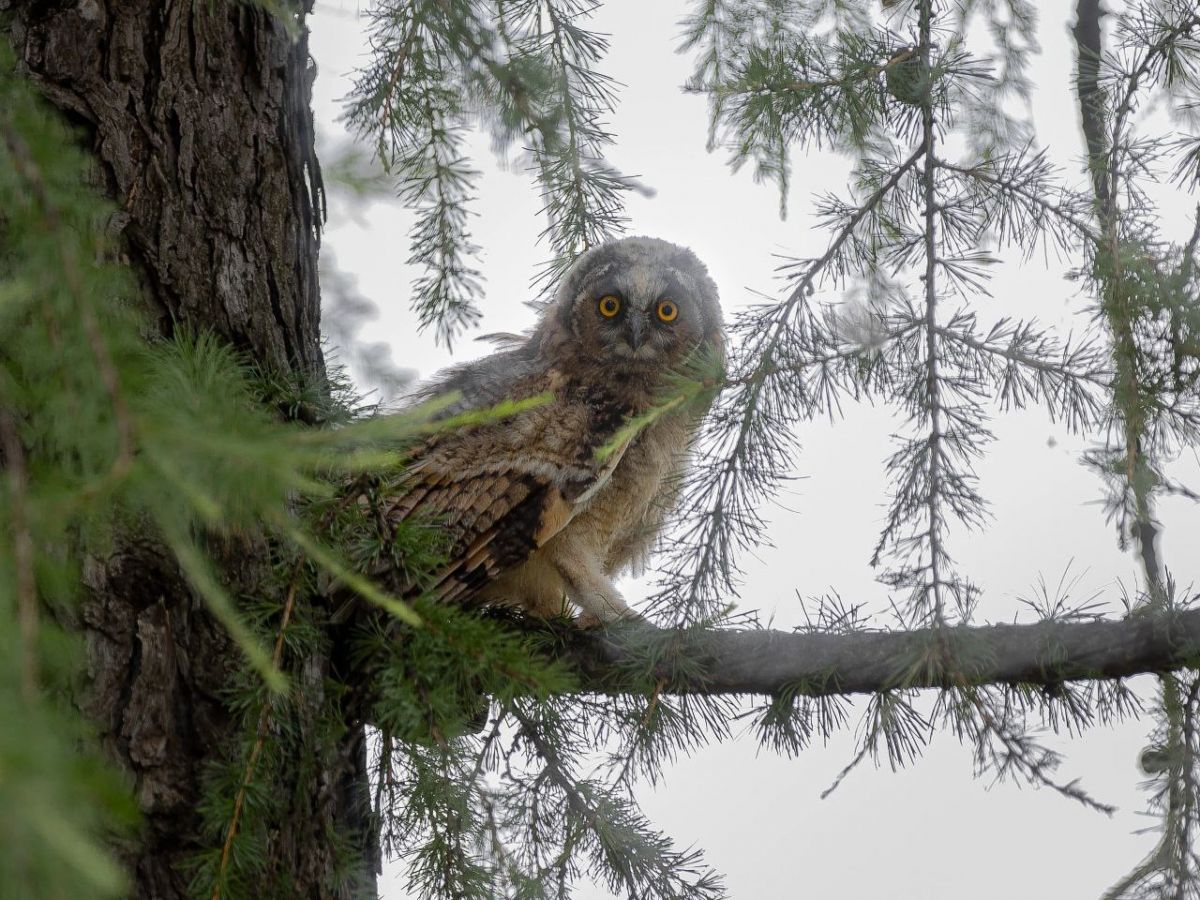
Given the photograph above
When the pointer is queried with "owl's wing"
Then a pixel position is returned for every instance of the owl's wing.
(503, 489)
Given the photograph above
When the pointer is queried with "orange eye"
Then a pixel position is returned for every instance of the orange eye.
(667, 310)
(609, 306)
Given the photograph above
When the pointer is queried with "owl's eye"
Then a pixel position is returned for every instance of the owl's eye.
(609, 306)
(667, 310)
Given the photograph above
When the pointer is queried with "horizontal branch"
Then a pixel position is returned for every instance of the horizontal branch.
(629, 656)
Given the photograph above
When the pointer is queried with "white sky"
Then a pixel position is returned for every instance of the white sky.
(931, 832)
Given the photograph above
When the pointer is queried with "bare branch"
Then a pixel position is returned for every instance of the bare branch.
(814, 664)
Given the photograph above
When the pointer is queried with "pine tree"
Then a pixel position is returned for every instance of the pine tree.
(190, 489)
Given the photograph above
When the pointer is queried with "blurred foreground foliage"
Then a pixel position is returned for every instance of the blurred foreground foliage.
(105, 432)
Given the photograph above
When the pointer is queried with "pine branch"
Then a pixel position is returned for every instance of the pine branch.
(1151, 37)
(1088, 36)
(815, 664)
(264, 724)
(13, 456)
(935, 456)
(1135, 80)
(719, 503)
(1059, 218)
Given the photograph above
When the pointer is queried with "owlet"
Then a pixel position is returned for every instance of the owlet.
(539, 517)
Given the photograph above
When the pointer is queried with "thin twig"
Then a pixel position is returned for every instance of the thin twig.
(804, 87)
(1133, 81)
(754, 382)
(932, 377)
(556, 770)
(980, 173)
(1098, 377)
(573, 150)
(653, 704)
(264, 721)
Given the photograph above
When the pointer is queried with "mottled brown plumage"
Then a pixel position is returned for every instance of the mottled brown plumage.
(537, 517)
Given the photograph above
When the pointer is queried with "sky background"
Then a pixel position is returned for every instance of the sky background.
(932, 831)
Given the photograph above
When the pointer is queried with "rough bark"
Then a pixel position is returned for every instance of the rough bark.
(199, 117)
(774, 662)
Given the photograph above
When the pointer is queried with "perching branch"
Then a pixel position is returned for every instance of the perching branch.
(819, 664)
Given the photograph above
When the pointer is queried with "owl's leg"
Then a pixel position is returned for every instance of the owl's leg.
(593, 593)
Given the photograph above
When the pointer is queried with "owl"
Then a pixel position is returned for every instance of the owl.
(544, 508)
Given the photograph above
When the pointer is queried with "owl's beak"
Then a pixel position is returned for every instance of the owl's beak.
(637, 331)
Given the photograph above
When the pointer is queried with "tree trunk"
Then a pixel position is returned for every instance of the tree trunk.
(199, 117)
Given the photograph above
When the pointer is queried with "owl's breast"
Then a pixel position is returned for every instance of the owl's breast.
(623, 518)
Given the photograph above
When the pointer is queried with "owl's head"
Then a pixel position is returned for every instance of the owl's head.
(639, 303)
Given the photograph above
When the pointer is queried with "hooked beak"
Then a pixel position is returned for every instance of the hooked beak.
(637, 331)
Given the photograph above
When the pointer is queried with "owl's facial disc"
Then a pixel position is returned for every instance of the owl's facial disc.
(633, 330)
(638, 303)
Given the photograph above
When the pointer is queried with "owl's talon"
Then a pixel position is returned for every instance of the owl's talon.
(586, 621)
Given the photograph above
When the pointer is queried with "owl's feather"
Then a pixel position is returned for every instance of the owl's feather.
(504, 488)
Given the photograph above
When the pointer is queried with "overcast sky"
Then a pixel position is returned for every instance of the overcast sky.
(931, 832)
